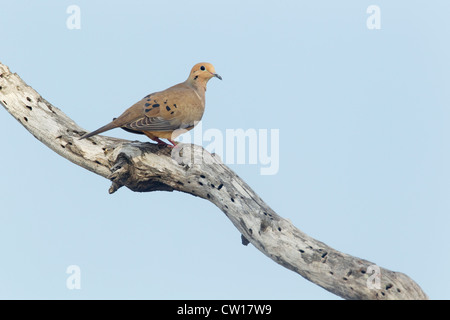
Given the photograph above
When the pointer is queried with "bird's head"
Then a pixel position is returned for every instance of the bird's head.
(202, 72)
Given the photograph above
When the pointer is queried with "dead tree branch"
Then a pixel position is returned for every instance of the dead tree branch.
(145, 167)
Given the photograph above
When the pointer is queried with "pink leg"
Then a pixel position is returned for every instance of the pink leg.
(172, 142)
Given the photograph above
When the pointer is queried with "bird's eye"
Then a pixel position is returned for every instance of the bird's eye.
(202, 68)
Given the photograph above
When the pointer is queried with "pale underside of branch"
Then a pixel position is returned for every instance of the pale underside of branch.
(146, 167)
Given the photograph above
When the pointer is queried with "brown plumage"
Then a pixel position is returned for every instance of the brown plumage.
(167, 114)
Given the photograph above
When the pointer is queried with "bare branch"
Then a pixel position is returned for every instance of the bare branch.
(146, 167)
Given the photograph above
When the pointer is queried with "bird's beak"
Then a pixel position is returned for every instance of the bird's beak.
(217, 76)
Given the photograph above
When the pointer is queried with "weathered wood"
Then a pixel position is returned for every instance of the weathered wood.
(146, 167)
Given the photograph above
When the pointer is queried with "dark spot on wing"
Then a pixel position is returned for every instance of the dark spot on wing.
(172, 112)
(155, 105)
(147, 110)
(175, 105)
(167, 108)
(147, 104)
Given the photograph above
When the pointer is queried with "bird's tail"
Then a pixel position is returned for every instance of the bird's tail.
(107, 127)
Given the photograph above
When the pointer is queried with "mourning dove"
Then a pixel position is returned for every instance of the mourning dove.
(161, 114)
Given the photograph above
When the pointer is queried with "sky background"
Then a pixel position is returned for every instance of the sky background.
(364, 144)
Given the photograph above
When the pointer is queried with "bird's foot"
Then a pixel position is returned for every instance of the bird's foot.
(163, 144)
(175, 143)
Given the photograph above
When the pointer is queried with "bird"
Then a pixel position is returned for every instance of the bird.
(167, 114)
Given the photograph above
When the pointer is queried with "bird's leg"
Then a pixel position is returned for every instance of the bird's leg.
(155, 138)
(173, 142)
(161, 143)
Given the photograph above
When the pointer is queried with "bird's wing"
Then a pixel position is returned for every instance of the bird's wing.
(166, 110)
(152, 124)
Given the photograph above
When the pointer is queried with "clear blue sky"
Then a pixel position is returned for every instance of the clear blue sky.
(364, 143)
